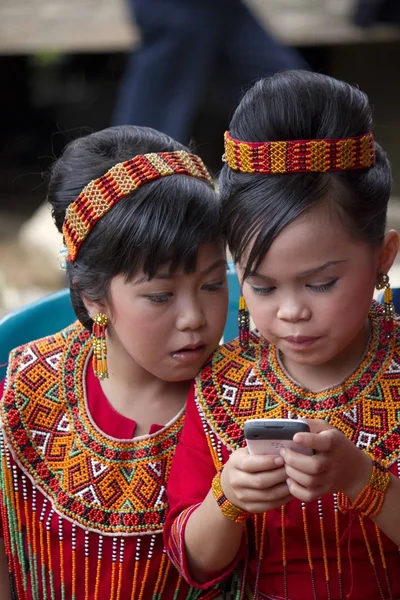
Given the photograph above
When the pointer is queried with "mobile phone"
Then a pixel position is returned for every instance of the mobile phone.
(268, 436)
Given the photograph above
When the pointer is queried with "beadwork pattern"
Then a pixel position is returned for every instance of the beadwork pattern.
(238, 384)
(76, 505)
(300, 156)
(101, 194)
(59, 447)
(241, 383)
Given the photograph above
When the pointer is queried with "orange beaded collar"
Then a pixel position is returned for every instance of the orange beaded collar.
(300, 156)
(100, 195)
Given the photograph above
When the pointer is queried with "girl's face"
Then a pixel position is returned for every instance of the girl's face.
(312, 292)
(169, 325)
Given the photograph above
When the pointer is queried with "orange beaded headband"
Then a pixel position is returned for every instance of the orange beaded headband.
(100, 195)
(300, 156)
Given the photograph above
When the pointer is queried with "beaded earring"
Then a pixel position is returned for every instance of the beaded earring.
(384, 283)
(243, 323)
(100, 346)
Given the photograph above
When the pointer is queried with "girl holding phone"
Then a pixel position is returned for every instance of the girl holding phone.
(304, 198)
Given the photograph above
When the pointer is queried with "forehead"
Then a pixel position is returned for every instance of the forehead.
(314, 238)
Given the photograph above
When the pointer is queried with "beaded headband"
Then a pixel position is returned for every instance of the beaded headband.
(300, 156)
(101, 194)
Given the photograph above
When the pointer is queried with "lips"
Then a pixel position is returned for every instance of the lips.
(189, 347)
(301, 342)
(300, 339)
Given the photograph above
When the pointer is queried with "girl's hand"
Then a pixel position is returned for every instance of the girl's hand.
(255, 483)
(337, 465)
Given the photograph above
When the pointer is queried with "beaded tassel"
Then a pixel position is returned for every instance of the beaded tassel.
(308, 548)
(73, 561)
(43, 560)
(86, 550)
(61, 548)
(100, 346)
(98, 569)
(29, 532)
(284, 556)
(49, 555)
(323, 543)
(120, 567)
(243, 323)
(383, 561)
(338, 551)
(147, 568)
(136, 568)
(371, 557)
(384, 283)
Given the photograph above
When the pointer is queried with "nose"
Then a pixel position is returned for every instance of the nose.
(191, 315)
(293, 310)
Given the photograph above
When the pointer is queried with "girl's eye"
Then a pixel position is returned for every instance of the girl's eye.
(262, 291)
(159, 298)
(323, 287)
(214, 287)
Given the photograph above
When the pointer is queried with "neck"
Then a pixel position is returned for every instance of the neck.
(330, 374)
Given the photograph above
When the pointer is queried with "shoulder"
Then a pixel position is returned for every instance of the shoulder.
(30, 355)
(231, 387)
(234, 355)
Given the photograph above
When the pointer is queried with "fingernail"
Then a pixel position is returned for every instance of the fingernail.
(288, 481)
(279, 461)
(298, 438)
(282, 452)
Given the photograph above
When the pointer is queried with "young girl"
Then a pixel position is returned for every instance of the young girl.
(305, 192)
(90, 423)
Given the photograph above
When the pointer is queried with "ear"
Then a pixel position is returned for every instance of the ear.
(93, 308)
(388, 251)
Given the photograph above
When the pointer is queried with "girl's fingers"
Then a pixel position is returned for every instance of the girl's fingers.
(260, 481)
(319, 442)
(255, 463)
(274, 496)
(304, 479)
(302, 493)
(312, 465)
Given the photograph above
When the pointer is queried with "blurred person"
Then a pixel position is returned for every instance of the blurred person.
(90, 416)
(184, 46)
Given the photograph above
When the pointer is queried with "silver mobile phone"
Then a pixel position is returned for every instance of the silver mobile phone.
(268, 436)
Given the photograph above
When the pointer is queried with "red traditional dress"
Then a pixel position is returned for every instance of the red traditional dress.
(82, 503)
(300, 551)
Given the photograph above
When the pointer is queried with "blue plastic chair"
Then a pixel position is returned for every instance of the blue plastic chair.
(38, 319)
(231, 328)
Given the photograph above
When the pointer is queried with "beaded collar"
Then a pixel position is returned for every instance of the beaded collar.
(238, 384)
(103, 484)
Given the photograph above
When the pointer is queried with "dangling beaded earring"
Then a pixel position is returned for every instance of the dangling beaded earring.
(384, 283)
(100, 346)
(244, 323)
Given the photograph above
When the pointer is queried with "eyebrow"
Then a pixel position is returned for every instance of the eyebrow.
(308, 273)
(215, 265)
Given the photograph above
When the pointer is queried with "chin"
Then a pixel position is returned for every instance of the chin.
(312, 359)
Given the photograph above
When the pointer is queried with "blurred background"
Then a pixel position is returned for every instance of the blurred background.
(69, 67)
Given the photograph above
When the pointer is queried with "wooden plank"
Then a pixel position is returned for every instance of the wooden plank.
(30, 26)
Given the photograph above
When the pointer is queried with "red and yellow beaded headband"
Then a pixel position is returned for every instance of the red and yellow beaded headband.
(300, 156)
(100, 195)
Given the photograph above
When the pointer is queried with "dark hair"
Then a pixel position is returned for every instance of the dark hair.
(163, 222)
(296, 105)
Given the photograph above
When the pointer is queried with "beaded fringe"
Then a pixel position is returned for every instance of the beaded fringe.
(28, 535)
(242, 591)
